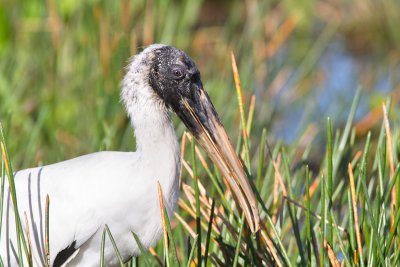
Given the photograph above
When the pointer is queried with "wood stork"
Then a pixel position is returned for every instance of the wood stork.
(120, 188)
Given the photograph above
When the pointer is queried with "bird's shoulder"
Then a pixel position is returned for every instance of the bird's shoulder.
(97, 158)
(102, 159)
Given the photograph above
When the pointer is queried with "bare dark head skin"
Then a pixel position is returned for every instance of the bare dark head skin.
(175, 77)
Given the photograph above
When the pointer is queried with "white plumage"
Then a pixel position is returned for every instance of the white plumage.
(119, 188)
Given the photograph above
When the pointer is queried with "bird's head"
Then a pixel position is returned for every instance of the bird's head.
(175, 79)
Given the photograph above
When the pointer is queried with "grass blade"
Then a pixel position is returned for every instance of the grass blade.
(28, 234)
(355, 214)
(167, 232)
(47, 230)
(173, 252)
(209, 230)
(243, 123)
(308, 217)
(196, 190)
(189, 263)
(261, 156)
(239, 242)
(2, 184)
(143, 251)
(346, 132)
(103, 241)
(322, 223)
(18, 224)
(121, 261)
(330, 178)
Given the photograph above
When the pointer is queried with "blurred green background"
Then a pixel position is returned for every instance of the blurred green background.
(61, 63)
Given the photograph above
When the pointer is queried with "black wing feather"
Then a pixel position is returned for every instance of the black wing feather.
(64, 255)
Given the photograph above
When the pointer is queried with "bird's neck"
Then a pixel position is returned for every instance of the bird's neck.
(154, 131)
(158, 147)
(156, 140)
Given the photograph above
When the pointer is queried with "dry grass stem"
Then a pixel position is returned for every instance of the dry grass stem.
(164, 224)
(271, 248)
(355, 209)
(28, 235)
(389, 146)
(331, 255)
(239, 95)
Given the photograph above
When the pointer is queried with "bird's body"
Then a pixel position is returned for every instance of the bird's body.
(102, 176)
(114, 188)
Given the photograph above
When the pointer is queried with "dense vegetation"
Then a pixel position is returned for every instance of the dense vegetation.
(318, 134)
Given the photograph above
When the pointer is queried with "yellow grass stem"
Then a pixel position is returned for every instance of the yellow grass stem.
(355, 209)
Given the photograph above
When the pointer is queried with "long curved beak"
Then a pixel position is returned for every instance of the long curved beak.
(203, 121)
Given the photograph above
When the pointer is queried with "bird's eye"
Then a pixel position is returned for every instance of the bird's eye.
(177, 73)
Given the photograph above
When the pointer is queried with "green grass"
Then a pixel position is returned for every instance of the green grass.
(323, 196)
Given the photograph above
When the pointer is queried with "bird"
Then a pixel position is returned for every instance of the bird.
(119, 189)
